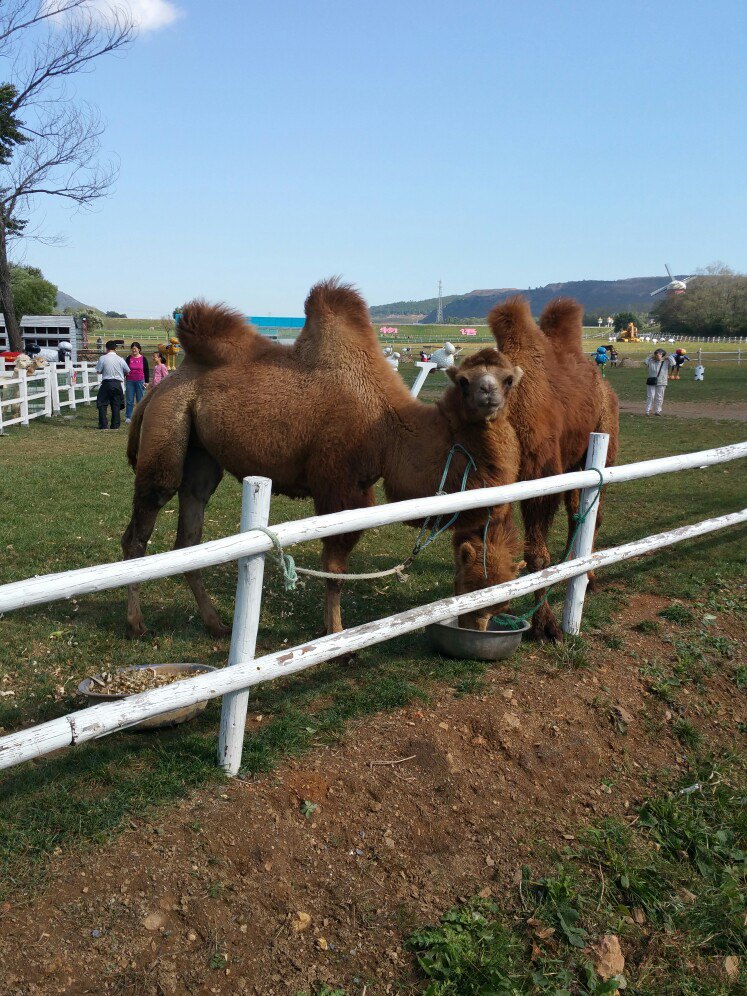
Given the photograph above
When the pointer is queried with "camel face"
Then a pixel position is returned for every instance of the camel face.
(485, 381)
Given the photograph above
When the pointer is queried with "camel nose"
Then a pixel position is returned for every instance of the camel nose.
(488, 394)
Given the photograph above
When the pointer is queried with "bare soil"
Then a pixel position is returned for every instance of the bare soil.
(248, 888)
(735, 411)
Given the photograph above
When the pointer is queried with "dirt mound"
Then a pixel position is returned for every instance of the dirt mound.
(318, 872)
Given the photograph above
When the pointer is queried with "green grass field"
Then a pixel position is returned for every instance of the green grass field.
(724, 383)
(70, 490)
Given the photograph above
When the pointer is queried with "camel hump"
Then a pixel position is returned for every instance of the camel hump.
(336, 317)
(211, 334)
(511, 324)
(562, 322)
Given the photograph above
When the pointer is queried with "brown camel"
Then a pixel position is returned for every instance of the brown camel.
(562, 398)
(324, 418)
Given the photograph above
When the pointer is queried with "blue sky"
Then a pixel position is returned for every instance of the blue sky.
(493, 144)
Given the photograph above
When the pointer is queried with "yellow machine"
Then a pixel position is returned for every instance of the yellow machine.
(629, 334)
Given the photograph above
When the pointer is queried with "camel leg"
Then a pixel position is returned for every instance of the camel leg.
(538, 515)
(336, 552)
(161, 454)
(202, 475)
(145, 509)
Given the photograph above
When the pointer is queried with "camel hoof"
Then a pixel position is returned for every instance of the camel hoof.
(546, 631)
(218, 630)
(135, 632)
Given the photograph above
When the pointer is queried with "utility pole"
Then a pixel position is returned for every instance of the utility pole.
(440, 308)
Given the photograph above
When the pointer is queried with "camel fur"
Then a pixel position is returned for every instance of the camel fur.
(561, 399)
(325, 418)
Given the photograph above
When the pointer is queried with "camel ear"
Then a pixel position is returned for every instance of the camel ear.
(518, 374)
(467, 554)
(451, 373)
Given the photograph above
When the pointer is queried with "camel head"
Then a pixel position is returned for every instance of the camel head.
(498, 558)
(484, 382)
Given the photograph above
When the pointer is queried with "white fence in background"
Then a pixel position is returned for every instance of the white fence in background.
(250, 547)
(46, 392)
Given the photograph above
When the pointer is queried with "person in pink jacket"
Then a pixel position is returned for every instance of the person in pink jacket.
(160, 370)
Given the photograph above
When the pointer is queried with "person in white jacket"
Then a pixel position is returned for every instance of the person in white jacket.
(658, 365)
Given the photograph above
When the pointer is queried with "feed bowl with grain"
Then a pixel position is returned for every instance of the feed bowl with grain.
(111, 685)
(493, 644)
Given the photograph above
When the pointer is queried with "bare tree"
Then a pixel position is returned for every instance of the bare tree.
(49, 142)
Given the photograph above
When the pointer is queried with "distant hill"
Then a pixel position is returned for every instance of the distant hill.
(66, 301)
(599, 297)
(412, 311)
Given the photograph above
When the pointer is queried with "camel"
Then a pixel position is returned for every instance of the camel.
(561, 399)
(325, 418)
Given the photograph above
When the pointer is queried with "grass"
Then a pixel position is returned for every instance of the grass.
(724, 383)
(671, 885)
(71, 490)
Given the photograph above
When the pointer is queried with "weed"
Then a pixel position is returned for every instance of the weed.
(648, 626)
(309, 808)
(686, 733)
(218, 961)
(676, 613)
(739, 676)
(614, 642)
(571, 653)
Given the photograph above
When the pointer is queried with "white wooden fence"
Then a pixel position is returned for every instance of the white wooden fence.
(45, 393)
(250, 547)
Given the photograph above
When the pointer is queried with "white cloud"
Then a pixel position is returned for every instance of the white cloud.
(148, 15)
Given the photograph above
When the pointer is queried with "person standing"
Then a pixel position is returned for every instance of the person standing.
(658, 365)
(113, 370)
(160, 369)
(137, 378)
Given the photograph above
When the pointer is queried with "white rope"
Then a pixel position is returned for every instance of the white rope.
(399, 570)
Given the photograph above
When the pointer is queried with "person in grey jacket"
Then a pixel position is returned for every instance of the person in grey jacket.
(658, 366)
(113, 370)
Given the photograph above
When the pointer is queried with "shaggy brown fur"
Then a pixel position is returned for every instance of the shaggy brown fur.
(561, 399)
(320, 420)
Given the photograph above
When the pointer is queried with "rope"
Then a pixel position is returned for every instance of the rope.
(288, 565)
(435, 530)
(507, 621)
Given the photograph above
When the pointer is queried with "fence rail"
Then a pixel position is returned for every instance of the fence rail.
(58, 386)
(249, 548)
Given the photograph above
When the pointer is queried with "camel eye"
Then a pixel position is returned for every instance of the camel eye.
(509, 381)
(463, 382)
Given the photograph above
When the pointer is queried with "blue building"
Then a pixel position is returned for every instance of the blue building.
(275, 327)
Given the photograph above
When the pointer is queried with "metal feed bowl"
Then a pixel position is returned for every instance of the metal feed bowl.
(492, 644)
(173, 718)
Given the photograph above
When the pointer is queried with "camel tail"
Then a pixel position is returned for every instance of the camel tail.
(213, 334)
(562, 322)
(609, 421)
(511, 324)
(133, 440)
(336, 316)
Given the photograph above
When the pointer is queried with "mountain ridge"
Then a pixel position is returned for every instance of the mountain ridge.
(598, 297)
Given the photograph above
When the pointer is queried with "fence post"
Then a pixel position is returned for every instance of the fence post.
(55, 388)
(255, 511)
(86, 383)
(47, 392)
(70, 377)
(573, 607)
(23, 396)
